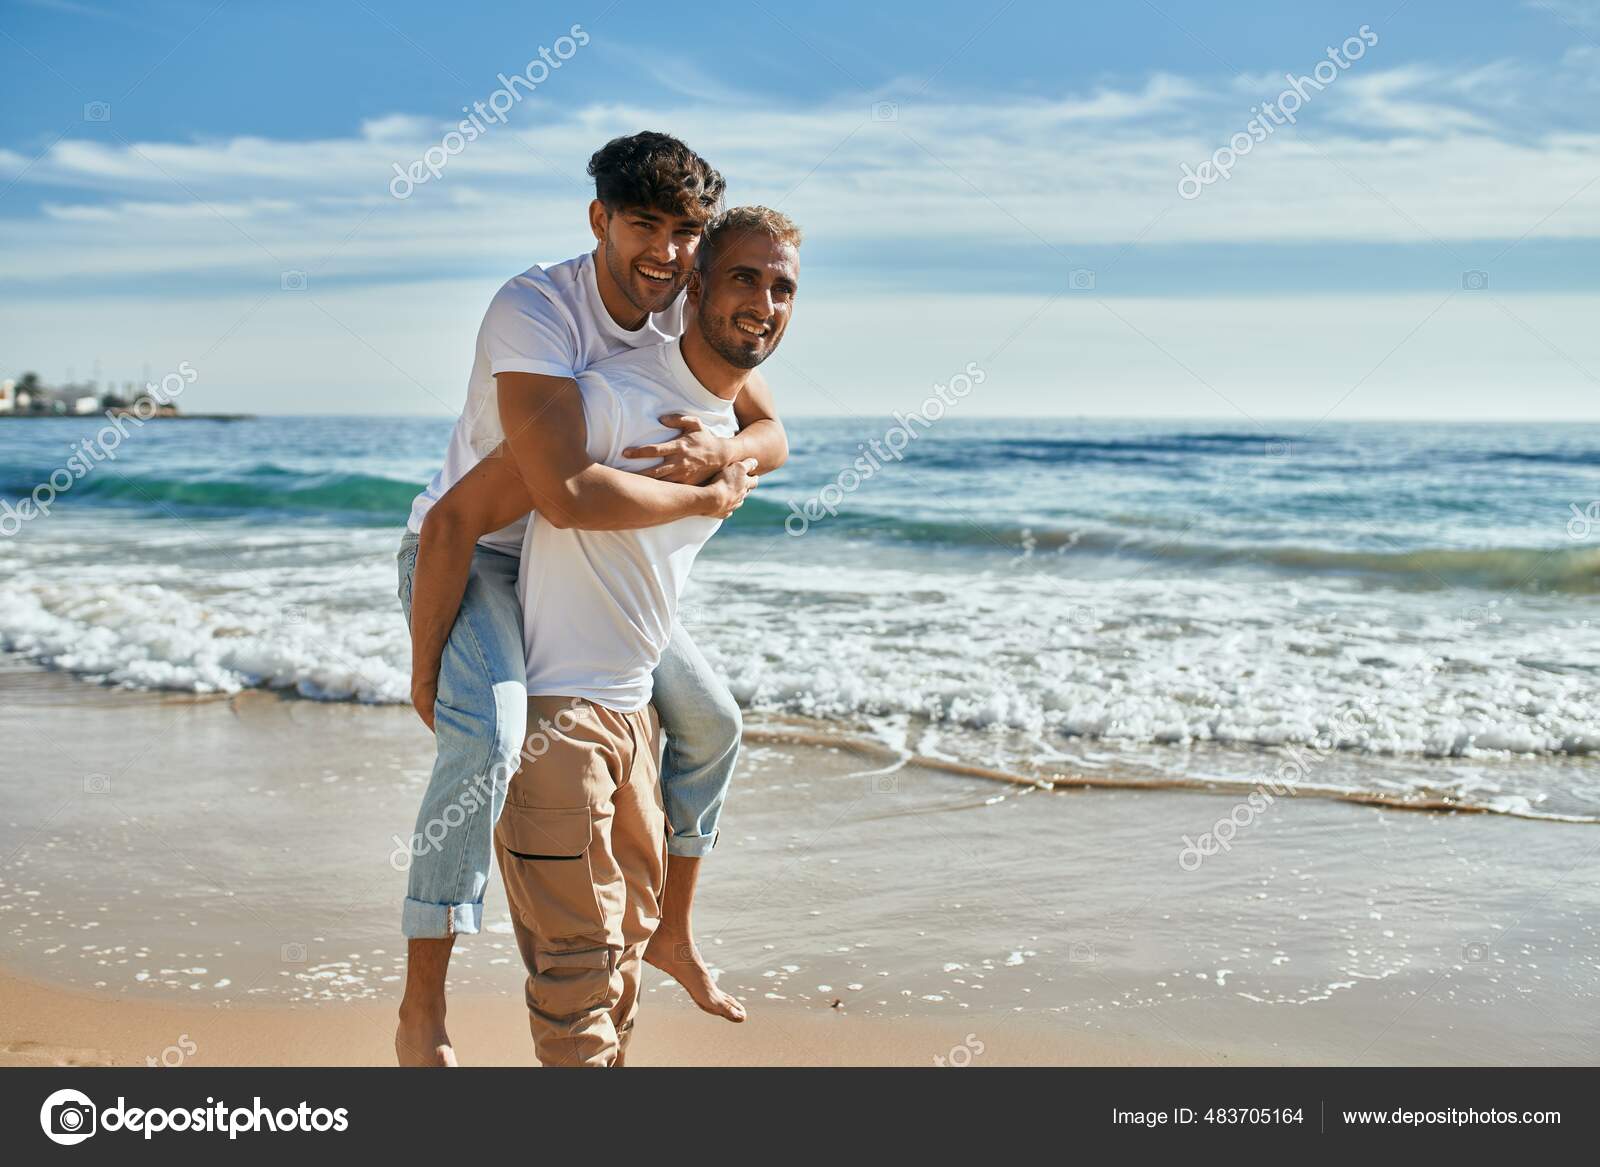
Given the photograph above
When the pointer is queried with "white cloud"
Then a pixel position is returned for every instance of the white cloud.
(1397, 100)
(398, 127)
(173, 212)
(1162, 93)
(1413, 154)
(1402, 161)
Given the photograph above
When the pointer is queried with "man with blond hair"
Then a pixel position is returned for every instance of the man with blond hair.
(582, 839)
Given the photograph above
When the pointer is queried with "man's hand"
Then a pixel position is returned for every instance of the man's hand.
(730, 488)
(691, 459)
(423, 695)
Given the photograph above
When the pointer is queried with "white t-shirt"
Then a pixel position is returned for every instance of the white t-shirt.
(548, 320)
(598, 608)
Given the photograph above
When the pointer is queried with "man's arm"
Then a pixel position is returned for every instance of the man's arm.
(547, 439)
(761, 435)
(579, 493)
(487, 498)
(698, 454)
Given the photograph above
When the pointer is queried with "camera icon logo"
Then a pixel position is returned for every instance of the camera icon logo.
(1080, 279)
(293, 281)
(97, 784)
(1475, 952)
(885, 111)
(1277, 449)
(1474, 281)
(294, 614)
(68, 1117)
(97, 111)
(293, 953)
(884, 784)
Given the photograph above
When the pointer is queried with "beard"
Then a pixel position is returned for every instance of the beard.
(623, 275)
(733, 346)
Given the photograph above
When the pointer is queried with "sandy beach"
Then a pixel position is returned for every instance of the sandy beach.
(43, 1026)
(213, 881)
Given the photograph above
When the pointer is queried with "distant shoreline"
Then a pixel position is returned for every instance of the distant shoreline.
(128, 413)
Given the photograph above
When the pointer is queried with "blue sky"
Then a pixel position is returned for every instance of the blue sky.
(163, 165)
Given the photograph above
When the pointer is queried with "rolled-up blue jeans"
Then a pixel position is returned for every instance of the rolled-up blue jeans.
(480, 720)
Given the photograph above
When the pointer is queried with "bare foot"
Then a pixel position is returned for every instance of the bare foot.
(674, 954)
(421, 1040)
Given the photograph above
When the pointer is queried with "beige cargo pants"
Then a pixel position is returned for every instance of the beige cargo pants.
(582, 847)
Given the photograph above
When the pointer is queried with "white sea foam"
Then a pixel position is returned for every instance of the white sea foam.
(152, 637)
(1265, 663)
(999, 663)
(1262, 663)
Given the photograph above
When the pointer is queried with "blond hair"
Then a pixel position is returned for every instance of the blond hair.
(775, 225)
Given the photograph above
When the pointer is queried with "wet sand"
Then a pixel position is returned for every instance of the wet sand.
(222, 871)
(43, 1026)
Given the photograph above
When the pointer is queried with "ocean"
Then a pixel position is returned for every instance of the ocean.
(1403, 614)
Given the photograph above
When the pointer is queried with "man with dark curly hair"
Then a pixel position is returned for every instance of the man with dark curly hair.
(523, 430)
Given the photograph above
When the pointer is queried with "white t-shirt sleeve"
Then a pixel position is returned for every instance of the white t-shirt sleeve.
(525, 332)
(602, 415)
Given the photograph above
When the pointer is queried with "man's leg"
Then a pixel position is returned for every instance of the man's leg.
(478, 729)
(638, 839)
(567, 890)
(701, 722)
(421, 1038)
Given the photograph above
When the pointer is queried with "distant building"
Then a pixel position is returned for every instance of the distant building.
(28, 395)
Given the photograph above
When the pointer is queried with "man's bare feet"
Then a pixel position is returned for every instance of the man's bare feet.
(675, 954)
(421, 1040)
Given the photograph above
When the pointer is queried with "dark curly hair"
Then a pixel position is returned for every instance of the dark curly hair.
(658, 172)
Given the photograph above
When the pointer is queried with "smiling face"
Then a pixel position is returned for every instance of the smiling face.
(648, 253)
(744, 298)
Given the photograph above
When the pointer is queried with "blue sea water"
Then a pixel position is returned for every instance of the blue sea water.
(1416, 604)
